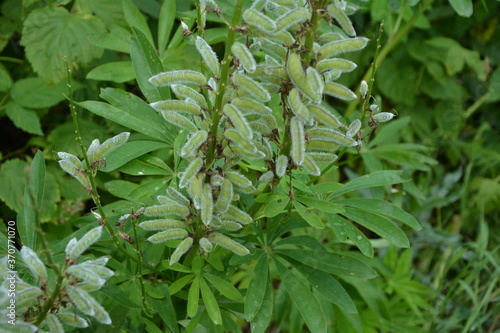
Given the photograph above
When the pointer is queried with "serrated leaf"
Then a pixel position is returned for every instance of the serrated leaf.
(308, 216)
(45, 25)
(23, 118)
(35, 93)
(257, 288)
(120, 71)
(304, 300)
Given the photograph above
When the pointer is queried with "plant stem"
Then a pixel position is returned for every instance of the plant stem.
(311, 33)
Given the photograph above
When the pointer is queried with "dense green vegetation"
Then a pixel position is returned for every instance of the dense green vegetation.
(400, 233)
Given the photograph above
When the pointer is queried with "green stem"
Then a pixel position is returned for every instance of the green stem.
(10, 59)
(392, 42)
(224, 80)
(473, 108)
(311, 33)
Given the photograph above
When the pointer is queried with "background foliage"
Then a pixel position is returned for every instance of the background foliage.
(437, 68)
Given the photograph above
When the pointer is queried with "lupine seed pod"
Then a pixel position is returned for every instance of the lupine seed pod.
(297, 15)
(180, 250)
(177, 106)
(342, 46)
(321, 145)
(233, 213)
(178, 77)
(72, 169)
(191, 171)
(229, 225)
(323, 116)
(278, 71)
(272, 48)
(92, 149)
(239, 151)
(330, 37)
(177, 196)
(264, 148)
(251, 86)
(280, 38)
(162, 210)
(183, 92)
(299, 77)
(342, 19)
(266, 177)
(311, 166)
(208, 55)
(80, 299)
(240, 182)
(259, 20)
(331, 135)
(228, 244)
(323, 157)
(34, 264)
(76, 249)
(363, 89)
(179, 121)
(28, 296)
(164, 200)
(225, 196)
(207, 204)
(195, 189)
(54, 324)
(102, 272)
(339, 91)
(162, 224)
(251, 106)
(216, 180)
(86, 275)
(383, 117)
(374, 108)
(261, 127)
(194, 142)
(298, 108)
(353, 128)
(101, 261)
(167, 235)
(315, 82)
(100, 314)
(332, 75)
(336, 64)
(298, 150)
(205, 245)
(244, 55)
(281, 165)
(236, 137)
(71, 319)
(72, 158)
(238, 120)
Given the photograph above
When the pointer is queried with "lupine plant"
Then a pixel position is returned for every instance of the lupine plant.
(249, 196)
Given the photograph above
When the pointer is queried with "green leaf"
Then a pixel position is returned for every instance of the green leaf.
(23, 118)
(390, 131)
(261, 321)
(327, 286)
(224, 287)
(325, 188)
(165, 24)
(178, 284)
(301, 240)
(193, 297)
(331, 263)
(383, 207)
(51, 34)
(494, 87)
(322, 205)
(146, 165)
(136, 19)
(35, 93)
(149, 188)
(146, 64)
(308, 216)
(12, 178)
(117, 39)
(128, 152)
(257, 288)
(210, 303)
(304, 300)
(462, 7)
(165, 309)
(119, 295)
(378, 224)
(5, 79)
(120, 188)
(110, 12)
(344, 229)
(121, 71)
(276, 205)
(377, 178)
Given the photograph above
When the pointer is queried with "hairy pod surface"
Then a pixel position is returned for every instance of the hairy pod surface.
(179, 121)
(180, 250)
(252, 87)
(311, 166)
(237, 138)
(383, 117)
(339, 91)
(228, 244)
(298, 150)
(294, 16)
(323, 157)
(194, 142)
(225, 196)
(299, 77)
(208, 55)
(331, 135)
(240, 182)
(323, 116)
(251, 106)
(281, 165)
(191, 171)
(353, 128)
(337, 47)
(342, 19)
(235, 214)
(238, 120)
(177, 196)
(184, 92)
(207, 204)
(167, 235)
(162, 224)
(298, 108)
(336, 64)
(162, 210)
(259, 20)
(178, 77)
(243, 54)
(177, 106)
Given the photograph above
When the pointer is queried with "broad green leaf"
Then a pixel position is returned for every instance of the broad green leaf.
(117, 39)
(110, 12)
(261, 321)
(51, 34)
(304, 300)
(146, 165)
(210, 302)
(377, 178)
(120, 188)
(337, 223)
(327, 286)
(462, 7)
(165, 24)
(165, 309)
(23, 118)
(120, 71)
(308, 216)
(331, 263)
(128, 152)
(146, 64)
(13, 179)
(149, 188)
(344, 229)
(5, 79)
(178, 284)
(193, 297)
(136, 19)
(276, 205)
(378, 224)
(224, 287)
(132, 121)
(383, 207)
(408, 155)
(35, 93)
(120, 295)
(257, 288)
(322, 205)
(390, 131)
(324, 188)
